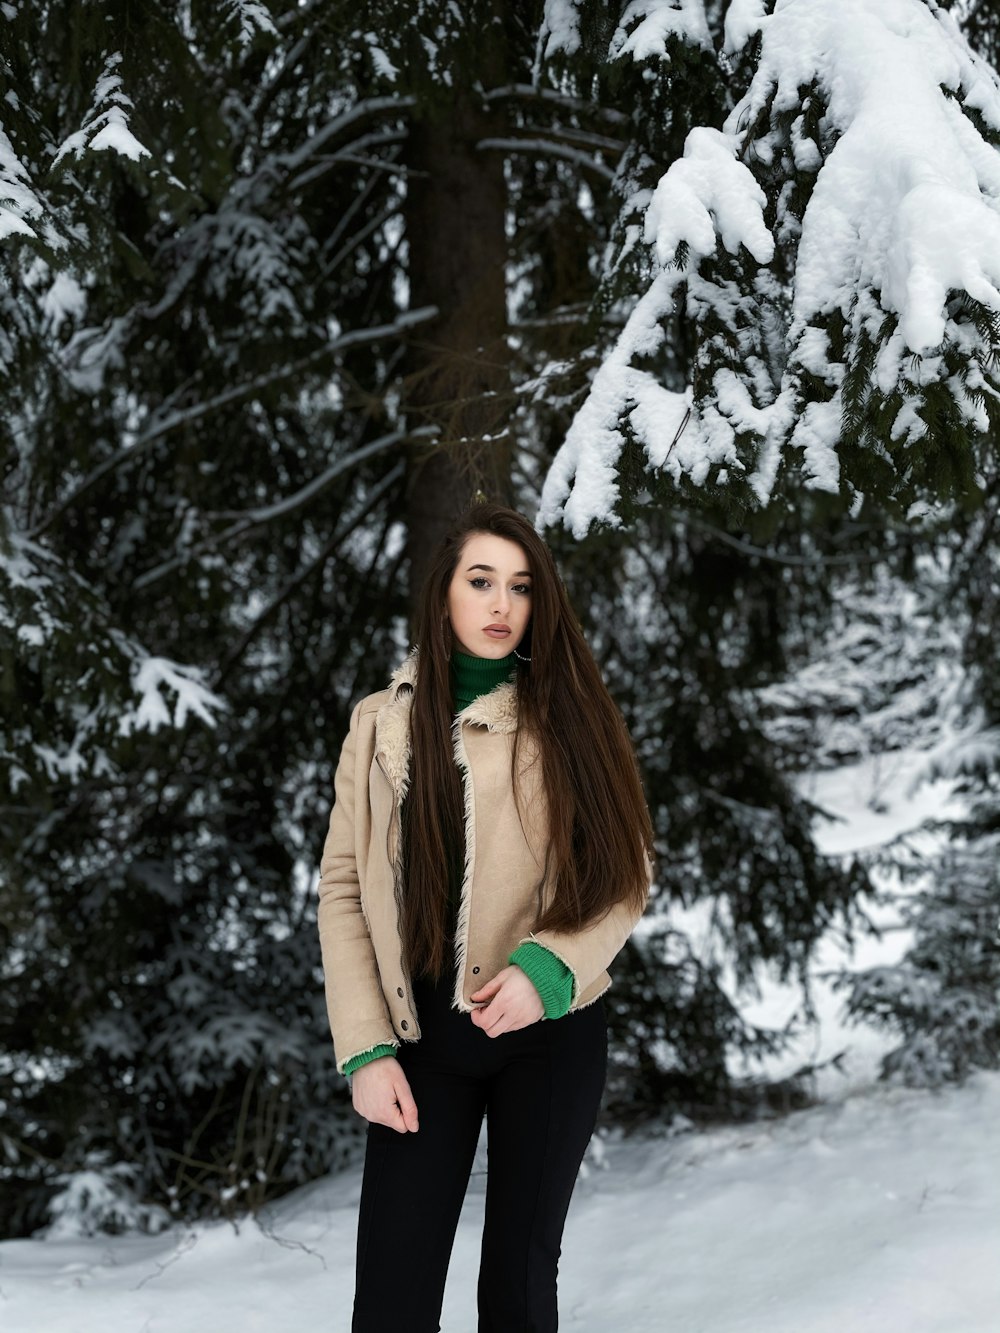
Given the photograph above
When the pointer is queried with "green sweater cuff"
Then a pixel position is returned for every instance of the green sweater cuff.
(356, 1061)
(551, 977)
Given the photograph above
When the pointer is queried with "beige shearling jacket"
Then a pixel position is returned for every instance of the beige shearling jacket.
(368, 992)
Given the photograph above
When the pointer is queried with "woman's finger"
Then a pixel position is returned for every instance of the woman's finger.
(407, 1106)
(393, 1117)
(496, 1027)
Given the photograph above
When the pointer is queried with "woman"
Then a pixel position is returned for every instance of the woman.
(466, 929)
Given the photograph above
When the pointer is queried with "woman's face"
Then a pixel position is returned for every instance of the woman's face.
(491, 586)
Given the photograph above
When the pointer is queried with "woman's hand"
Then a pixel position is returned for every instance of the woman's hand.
(513, 1003)
(377, 1087)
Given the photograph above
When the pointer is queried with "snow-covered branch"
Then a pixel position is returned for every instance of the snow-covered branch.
(527, 92)
(552, 149)
(106, 125)
(320, 138)
(850, 323)
(321, 163)
(18, 201)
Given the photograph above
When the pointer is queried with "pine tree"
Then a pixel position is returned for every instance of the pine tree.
(942, 998)
(742, 890)
(235, 418)
(841, 329)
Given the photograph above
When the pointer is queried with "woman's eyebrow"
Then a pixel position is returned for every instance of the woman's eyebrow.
(520, 573)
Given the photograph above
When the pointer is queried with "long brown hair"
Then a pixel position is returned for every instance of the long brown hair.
(599, 825)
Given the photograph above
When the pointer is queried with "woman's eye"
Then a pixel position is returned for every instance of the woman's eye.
(525, 588)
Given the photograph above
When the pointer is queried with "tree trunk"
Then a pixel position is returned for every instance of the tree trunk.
(457, 375)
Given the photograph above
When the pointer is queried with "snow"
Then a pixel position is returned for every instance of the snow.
(253, 18)
(151, 677)
(932, 224)
(705, 191)
(877, 1212)
(31, 634)
(875, 1209)
(743, 19)
(381, 63)
(975, 749)
(117, 137)
(558, 31)
(65, 298)
(91, 352)
(15, 191)
(657, 22)
(581, 480)
(901, 211)
(107, 125)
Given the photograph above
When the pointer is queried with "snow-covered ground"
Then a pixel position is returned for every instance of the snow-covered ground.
(879, 1212)
(878, 1209)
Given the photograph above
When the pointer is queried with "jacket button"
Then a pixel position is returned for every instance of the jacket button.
(475, 969)
(399, 990)
(405, 1026)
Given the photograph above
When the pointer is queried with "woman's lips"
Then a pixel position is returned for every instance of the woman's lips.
(497, 633)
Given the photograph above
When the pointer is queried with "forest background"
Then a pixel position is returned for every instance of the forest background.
(709, 290)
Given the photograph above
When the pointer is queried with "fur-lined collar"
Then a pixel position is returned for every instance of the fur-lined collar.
(495, 710)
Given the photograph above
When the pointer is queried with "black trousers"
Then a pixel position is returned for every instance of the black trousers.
(540, 1089)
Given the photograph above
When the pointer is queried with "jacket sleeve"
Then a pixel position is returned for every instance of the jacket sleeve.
(590, 951)
(359, 1016)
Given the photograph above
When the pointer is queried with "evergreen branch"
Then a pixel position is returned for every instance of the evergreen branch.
(302, 10)
(528, 92)
(553, 149)
(776, 557)
(365, 647)
(324, 162)
(301, 575)
(179, 284)
(186, 416)
(568, 312)
(359, 201)
(573, 135)
(253, 518)
(247, 519)
(359, 237)
(370, 106)
(153, 1155)
(268, 91)
(377, 163)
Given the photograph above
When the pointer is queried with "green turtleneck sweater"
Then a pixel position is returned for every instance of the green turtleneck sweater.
(471, 677)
